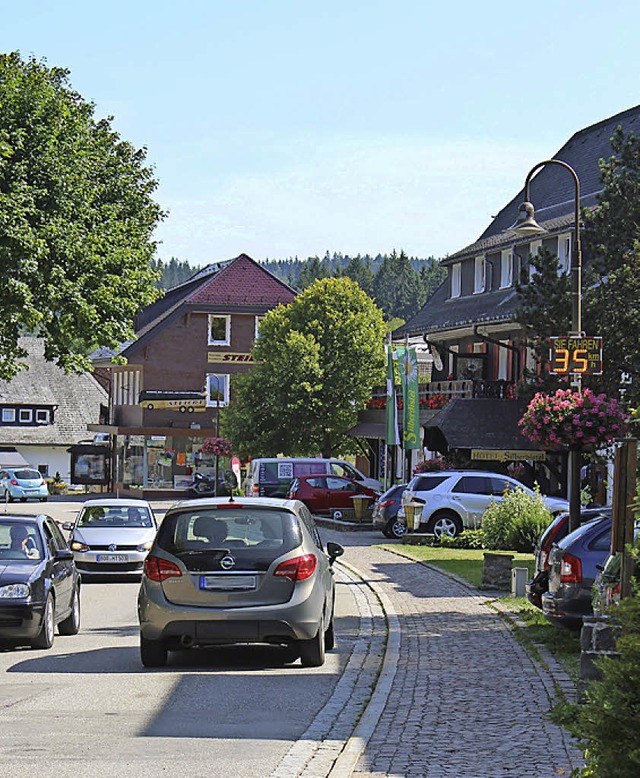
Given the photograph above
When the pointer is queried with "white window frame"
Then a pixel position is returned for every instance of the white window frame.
(480, 275)
(25, 416)
(456, 275)
(453, 350)
(8, 415)
(227, 337)
(256, 334)
(506, 269)
(534, 248)
(503, 360)
(42, 416)
(565, 247)
(225, 390)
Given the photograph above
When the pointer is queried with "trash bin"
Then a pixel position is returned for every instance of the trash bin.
(361, 507)
(412, 513)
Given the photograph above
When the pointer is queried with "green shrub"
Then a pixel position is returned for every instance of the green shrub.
(470, 538)
(606, 723)
(516, 522)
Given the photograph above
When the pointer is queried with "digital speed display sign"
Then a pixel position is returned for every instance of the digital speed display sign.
(570, 354)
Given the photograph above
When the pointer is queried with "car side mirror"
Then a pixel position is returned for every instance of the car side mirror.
(334, 550)
(68, 525)
(63, 554)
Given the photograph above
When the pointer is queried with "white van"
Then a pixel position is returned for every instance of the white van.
(270, 477)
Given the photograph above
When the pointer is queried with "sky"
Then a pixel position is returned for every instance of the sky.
(284, 128)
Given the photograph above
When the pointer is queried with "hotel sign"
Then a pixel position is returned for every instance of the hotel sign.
(229, 358)
(507, 455)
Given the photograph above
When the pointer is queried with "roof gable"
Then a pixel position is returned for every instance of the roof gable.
(242, 281)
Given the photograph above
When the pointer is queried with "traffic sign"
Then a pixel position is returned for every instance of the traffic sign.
(571, 354)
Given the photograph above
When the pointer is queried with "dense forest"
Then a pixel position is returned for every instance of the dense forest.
(399, 284)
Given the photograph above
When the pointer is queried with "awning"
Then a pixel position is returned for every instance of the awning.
(481, 423)
(9, 457)
(368, 429)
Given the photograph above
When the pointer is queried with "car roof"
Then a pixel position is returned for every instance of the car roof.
(114, 502)
(254, 502)
(23, 518)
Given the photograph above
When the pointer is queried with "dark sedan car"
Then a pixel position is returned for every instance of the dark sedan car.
(39, 583)
(573, 565)
(385, 512)
(558, 529)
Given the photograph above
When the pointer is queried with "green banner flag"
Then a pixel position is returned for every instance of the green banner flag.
(408, 361)
(392, 436)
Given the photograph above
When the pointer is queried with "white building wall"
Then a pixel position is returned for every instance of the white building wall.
(57, 459)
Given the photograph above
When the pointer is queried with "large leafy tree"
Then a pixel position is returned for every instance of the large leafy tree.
(76, 220)
(316, 362)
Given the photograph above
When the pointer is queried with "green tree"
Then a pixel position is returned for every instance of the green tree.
(312, 271)
(317, 360)
(396, 286)
(611, 287)
(360, 272)
(76, 220)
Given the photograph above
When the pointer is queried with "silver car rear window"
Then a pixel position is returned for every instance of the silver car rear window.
(248, 528)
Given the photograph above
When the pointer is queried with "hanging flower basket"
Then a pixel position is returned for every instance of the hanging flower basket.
(567, 419)
(217, 447)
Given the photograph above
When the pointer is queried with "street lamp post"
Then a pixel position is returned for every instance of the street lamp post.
(527, 225)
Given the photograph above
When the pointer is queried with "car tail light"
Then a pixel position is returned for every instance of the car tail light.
(13, 482)
(160, 569)
(570, 569)
(545, 546)
(298, 569)
(385, 504)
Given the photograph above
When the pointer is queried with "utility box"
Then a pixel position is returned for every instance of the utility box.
(519, 577)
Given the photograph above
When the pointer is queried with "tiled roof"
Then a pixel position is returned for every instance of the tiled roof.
(242, 282)
(78, 398)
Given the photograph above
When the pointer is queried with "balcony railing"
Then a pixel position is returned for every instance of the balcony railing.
(437, 394)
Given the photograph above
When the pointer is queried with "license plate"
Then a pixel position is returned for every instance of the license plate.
(228, 583)
(113, 558)
(33, 491)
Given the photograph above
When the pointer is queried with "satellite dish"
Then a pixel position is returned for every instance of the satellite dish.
(437, 359)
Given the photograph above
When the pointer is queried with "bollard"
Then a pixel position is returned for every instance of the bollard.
(519, 576)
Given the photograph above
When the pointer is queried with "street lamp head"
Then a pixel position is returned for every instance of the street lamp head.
(526, 223)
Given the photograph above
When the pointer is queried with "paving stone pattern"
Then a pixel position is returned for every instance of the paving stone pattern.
(467, 700)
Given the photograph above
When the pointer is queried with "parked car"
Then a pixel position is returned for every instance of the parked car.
(558, 529)
(225, 571)
(23, 483)
(328, 494)
(573, 566)
(456, 499)
(112, 537)
(385, 512)
(39, 583)
(270, 477)
(606, 588)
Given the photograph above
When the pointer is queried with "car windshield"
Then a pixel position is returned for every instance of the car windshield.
(27, 475)
(114, 516)
(228, 527)
(20, 541)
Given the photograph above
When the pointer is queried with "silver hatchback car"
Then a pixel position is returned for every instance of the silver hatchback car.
(224, 571)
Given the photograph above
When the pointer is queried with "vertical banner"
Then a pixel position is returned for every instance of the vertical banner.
(411, 414)
(392, 436)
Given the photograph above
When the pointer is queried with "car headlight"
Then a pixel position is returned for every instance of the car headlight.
(144, 546)
(16, 591)
(76, 545)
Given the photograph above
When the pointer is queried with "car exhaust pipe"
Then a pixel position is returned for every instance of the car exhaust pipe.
(186, 641)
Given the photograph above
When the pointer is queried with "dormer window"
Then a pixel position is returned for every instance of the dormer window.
(455, 280)
(564, 254)
(506, 269)
(479, 283)
(534, 248)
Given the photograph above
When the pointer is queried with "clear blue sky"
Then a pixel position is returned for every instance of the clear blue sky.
(286, 128)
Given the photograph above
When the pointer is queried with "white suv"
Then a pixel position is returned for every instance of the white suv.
(456, 500)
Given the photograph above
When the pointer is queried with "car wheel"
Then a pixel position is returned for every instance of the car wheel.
(44, 639)
(395, 529)
(43, 499)
(445, 523)
(23, 499)
(312, 651)
(153, 653)
(71, 625)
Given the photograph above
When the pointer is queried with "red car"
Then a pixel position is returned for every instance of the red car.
(329, 494)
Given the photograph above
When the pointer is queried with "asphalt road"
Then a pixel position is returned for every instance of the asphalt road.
(88, 707)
